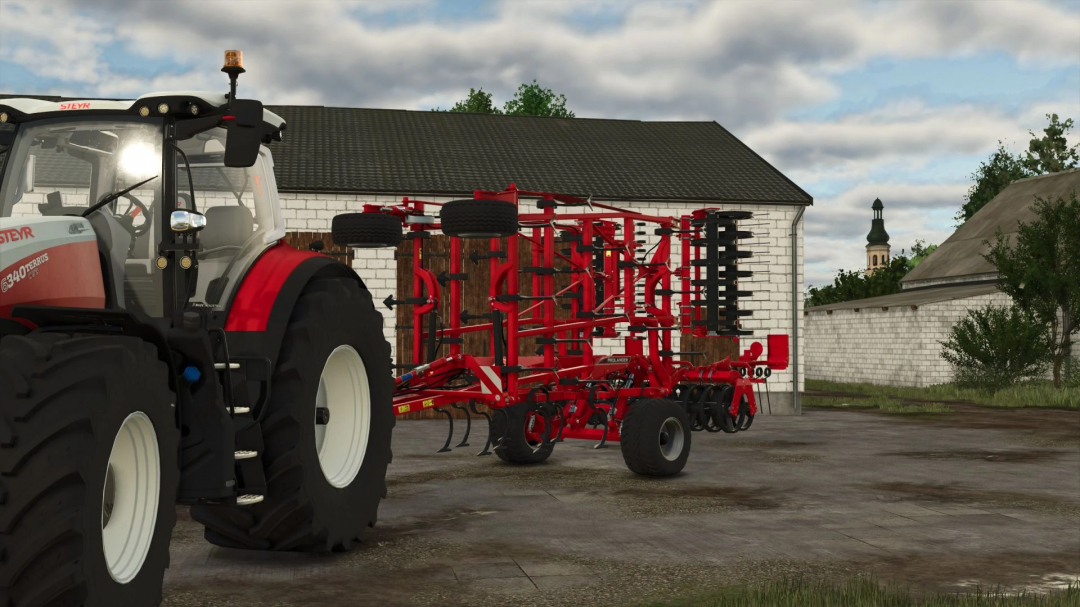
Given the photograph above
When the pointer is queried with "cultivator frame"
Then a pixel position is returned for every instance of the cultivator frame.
(569, 390)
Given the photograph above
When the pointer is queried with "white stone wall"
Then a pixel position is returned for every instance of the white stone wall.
(771, 245)
(899, 346)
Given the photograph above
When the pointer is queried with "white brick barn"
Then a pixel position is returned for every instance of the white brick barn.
(896, 339)
(334, 160)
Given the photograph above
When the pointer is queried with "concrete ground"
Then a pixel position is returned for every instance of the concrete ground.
(941, 502)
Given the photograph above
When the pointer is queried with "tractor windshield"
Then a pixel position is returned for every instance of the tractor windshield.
(62, 166)
(241, 213)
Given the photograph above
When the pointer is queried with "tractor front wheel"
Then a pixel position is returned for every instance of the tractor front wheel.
(326, 432)
(655, 437)
(88, 470)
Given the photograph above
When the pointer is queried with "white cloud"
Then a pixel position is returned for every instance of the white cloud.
(740, 63)
(906, 134)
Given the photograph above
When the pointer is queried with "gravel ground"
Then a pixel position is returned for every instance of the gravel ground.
(939, 502)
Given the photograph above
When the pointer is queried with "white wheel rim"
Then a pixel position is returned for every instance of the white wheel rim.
(129, 502)
(671, 439)
(344, 392)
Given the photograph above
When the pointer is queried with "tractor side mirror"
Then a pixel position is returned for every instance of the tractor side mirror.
(245, 133)
(28, 174)
(187, 221)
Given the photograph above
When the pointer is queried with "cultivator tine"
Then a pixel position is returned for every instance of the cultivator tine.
(450, 434)
(603, 439)
(506, 428)
(468, 426)
(487, 443)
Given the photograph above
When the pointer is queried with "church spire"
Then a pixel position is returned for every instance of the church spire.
(877, 234)
(877, 248)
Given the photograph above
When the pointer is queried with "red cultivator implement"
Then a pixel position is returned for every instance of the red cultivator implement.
(619, 289)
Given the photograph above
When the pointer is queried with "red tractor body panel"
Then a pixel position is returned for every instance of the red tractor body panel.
(254, 300)
(49, 261)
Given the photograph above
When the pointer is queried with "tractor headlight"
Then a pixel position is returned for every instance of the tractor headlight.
(138, 160)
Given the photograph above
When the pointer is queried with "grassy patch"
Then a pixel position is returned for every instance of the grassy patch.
(810, 400)
(916, 408)
(1041, 394)
(862, 592)
(1036, 394)
(881, 403)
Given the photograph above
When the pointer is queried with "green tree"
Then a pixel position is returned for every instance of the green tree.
(919, 251)
(849, 286)
(478, 102)
(529, 100)
(1041, 271)
(532, 100)
(1051, 153)
(997, 346)
(992, 176)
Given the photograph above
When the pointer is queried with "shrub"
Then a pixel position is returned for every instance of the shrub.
(996, 347)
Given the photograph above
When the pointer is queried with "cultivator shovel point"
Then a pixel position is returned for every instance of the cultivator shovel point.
(617, 279)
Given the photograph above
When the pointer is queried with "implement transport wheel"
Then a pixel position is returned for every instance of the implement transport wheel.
(326, 433)
(88, 470)
(655, 437)
(479, 218)
(366, 230)
(525, 442)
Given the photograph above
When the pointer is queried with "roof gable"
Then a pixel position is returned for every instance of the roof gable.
(962, 253)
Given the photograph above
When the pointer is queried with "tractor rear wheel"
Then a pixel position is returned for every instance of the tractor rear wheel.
(655, 437)
(520, 436)
(88, 470)
(326, 432)
(479, 218)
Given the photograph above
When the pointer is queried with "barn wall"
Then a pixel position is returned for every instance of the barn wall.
(772, 263)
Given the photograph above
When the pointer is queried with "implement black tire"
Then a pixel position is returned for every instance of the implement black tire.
(479, 218)
(515, 448)
(650, 437)
(366, 230)
(63, 401)
(302, 510)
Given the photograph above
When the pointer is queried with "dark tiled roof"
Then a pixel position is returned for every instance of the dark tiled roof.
(345, 149)
(410, 152)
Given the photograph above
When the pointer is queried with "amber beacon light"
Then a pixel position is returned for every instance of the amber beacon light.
(234, 60)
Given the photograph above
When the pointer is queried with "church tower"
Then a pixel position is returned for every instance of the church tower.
(877, 247)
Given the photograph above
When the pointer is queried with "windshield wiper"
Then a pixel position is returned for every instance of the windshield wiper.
(112, 197)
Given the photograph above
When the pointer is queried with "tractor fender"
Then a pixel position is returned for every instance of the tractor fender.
(260, 309)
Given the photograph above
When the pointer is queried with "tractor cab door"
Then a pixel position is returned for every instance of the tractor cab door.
(241, 209)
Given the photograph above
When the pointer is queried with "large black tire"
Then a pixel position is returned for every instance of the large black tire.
(650, 437)
(302, 510)
(479, 218)
(366, 230)
(63, 401)
(515, 447)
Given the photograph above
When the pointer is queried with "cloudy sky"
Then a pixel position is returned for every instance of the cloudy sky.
(852, 100)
